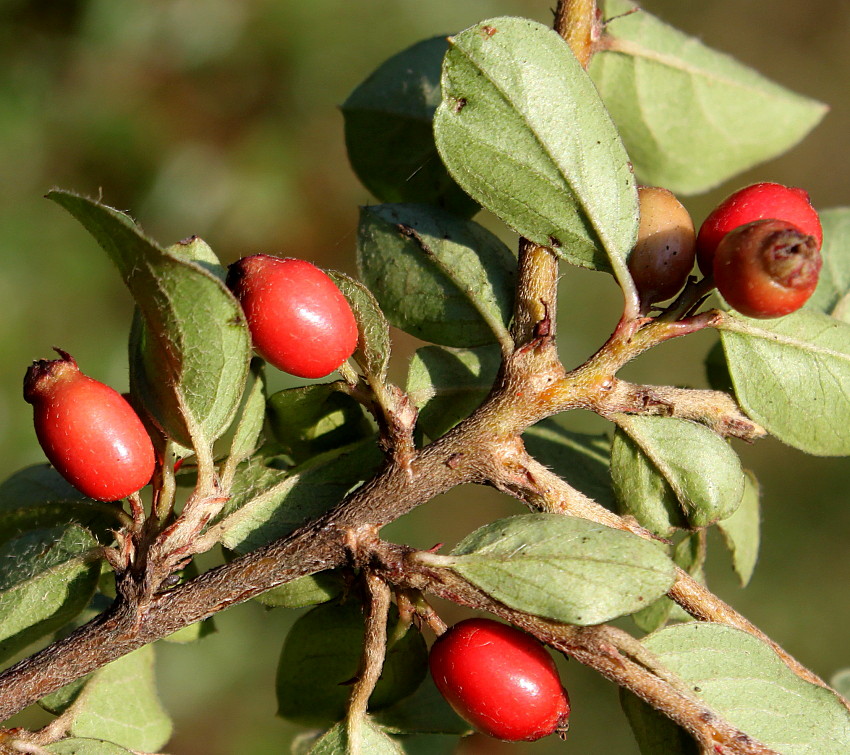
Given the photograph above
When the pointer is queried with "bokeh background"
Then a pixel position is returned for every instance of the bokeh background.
(220, 118)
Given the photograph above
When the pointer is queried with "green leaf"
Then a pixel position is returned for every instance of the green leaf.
(666, 460)
(267, 502)
(374, 346)
(38, 497)
(832, 296)
(304, 591)
(425, 711)
(716, 369)
(522, 129)
(581, 459)
(118, 703)
(745, 682)
(689, 554)
(447, 385)
(315, 418)
(190, 346)
(436, 276)
(741, 531)
(372, 741)
(85, 746)
(321, 656)
(250, 426)
(48, 578)
(691, 117)
(655, 733)
(563, 568)
(389, 134)
(791, 376)
(195, 249)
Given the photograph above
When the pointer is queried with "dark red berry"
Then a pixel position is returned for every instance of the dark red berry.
(757, 202)
(88, 431)
(500, 680)
(768, 268)
(664, 253)
(299, 320)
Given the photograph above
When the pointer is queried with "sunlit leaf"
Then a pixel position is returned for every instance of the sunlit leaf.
(48, 578)
(389, 135)
(691, 117)
(744, 681)
(522, 129)
(436, 276)
(563, 568)
(791, 375)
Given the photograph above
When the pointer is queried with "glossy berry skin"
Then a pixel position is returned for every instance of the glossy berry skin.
(299, 320)
(88, 431)
(768, 268)
(664, 253)
(757, 202)
(500, 680)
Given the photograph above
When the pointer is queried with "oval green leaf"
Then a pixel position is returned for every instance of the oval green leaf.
(727, 118)
(791, 376)
(190, 347)
(389, 133)
(320, 658)
(582, 459)
(436, 276)
(315, 418)
(447, 385)
(743, 681)
(374, 346)
(48, 578)
(38, 497)
(698, 467)
(268, 502)
(118, 703)
(523, 130)
(563, 568)
(742, 531)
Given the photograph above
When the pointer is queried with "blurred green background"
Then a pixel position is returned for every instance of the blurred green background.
(220, 118)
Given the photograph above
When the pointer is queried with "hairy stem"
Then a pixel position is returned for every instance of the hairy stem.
(575, 21)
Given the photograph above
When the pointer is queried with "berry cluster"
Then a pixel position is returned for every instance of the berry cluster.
(760, 247)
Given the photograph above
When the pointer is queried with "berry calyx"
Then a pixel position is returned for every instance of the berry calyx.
(299, 320)
(757, 202)
(88, 431)
(664, 253)
(767, 268)
(500, 680)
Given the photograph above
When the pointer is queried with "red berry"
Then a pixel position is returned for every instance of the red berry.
(664, 253)
(500, 680)
(88, 431)
(299, 320)
(768, 268)
(757, 202)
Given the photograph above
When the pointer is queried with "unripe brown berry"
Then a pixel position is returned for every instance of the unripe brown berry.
(88, 430)
(767, 268)
(664, 253)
